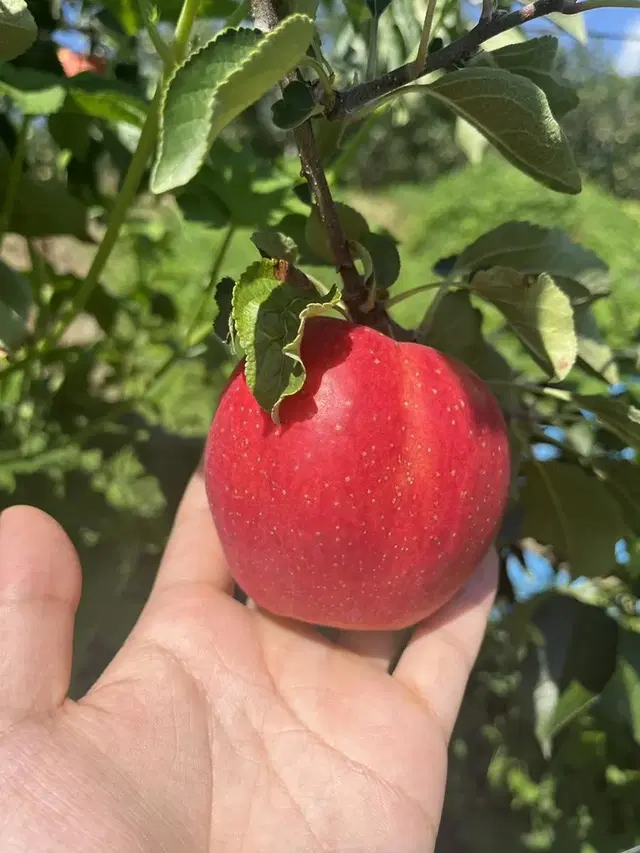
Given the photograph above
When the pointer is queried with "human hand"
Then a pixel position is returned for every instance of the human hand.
(218, 728)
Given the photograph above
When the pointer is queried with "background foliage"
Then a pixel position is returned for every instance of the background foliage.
(106, 394)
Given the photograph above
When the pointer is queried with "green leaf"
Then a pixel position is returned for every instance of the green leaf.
(354, 226)
(574, 25)
(385, 257)
(43, 208)
(580, 436)
(358, 13)
(622, 478)
(269, 317)
(572, 661)
(572, 512)
(377, 7)
(514, 115)
(15, 304)
(470, 141)
(214, 85)
(107, 99)
(295, 107)
(34, 92)
(533, 249)
(538, 312)
(617, 416)
(455, 328)
(234, 185)
(224, 303)
(594, 354)
(275, 244)
(71, 129)
(18, 29)
(536, 60)
(621, 698)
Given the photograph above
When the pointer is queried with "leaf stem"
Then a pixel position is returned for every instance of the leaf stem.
(15, 174)
(407, 294)
(184, 26)
(372, 57)
(162, 48)
(423, 47)
(323, 78)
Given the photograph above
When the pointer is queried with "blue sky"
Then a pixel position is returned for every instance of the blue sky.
(614, 22)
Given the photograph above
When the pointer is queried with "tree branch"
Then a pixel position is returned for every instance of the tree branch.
(351, 100)
(354, 291)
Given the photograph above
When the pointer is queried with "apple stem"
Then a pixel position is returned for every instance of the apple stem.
(354, 290)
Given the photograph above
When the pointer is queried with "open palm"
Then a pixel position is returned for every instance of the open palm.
(218, 727)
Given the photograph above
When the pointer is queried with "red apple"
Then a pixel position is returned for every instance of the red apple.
(377, 495)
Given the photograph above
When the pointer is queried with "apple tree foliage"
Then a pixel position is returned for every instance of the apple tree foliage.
(172, 197)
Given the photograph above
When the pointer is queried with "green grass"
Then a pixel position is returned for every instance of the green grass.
(440, 220)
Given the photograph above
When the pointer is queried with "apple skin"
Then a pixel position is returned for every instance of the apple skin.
(377, 495)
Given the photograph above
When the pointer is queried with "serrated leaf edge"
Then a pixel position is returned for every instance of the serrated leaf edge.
(262, 39)
(291, 350)
(511, 155)
(534, 226)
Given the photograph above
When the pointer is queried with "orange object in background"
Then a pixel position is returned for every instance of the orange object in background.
(74, 63)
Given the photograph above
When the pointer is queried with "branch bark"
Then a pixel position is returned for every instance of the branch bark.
(349, 101)
(354, 291)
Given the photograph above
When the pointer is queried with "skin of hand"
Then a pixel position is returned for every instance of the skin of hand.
(218, 728)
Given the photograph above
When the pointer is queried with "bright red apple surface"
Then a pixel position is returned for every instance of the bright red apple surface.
(377, 495)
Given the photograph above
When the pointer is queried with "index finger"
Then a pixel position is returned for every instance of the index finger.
(193, 554)
(438, 659)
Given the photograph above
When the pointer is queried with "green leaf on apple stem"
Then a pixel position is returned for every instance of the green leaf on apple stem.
(533, 249)
(617, 416)
(574, 513)
(536, 60)
(539, 313)
(269, 316)
(15, 303)
(214, 85)
(570, 662)
(514, 114)
(275, 244)
(353, 223)
(18, 29)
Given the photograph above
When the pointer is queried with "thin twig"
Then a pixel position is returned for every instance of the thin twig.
(423, 47)
(352, 100)
(354, 290)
